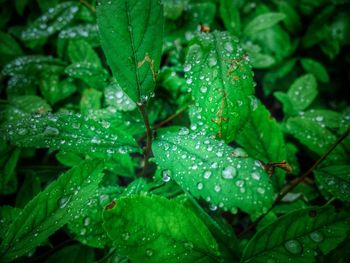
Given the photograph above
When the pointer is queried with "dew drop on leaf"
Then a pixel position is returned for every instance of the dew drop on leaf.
(293, 247)
(229, 172)
(207, 174)
(149, 252)
(317, 236)
(166, 175)
(63, 201)
(200, 186)
(51, 131)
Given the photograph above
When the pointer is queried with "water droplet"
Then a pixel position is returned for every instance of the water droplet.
(96, 140)
(319, 118)
(213, 207)
(256, 176)
(240, 183)
(166, 174)
(188, 245)
(125, 236)
(187, 67)
(229, 172)
(51, 131)
(184, 131)
(63, 201)
(200, 186)
(260, 190)
(149, 252)
(217, 188)
(22, 131)
(86, 221)
(212, 61)
(203, 89)
(207, 174)
(317, 236)
(293, 246)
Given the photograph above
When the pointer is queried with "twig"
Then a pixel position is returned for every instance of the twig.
(148, 149)
(297, 181)
(88, 5)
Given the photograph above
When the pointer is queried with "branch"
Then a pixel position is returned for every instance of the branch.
(147, 151)
(297, 181)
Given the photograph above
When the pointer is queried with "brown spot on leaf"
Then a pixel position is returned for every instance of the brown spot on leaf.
(110, 205)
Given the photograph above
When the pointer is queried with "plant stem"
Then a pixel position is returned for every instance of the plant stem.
(148, 149)
(88, 5)
(170, 118)
(297, 181)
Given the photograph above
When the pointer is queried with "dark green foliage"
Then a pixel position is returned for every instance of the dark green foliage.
(170, 131)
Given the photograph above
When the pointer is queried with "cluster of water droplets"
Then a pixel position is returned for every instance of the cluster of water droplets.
(116, 97)
(225, 177)
(88, 32)
(52, 21)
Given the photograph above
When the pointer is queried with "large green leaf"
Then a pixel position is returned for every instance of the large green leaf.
(335, 180)
(70, 132)
(131, 34)
(296, 236)
(262, 138)
(220, 77)
(223, 176)
(154, 229)
(59, 203)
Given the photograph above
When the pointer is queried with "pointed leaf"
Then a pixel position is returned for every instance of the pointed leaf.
(262, 22)
(316, 68)
(82, 51)
(70, 132)
(210, 169)
(131, 34)
(60, 202)
(220, 77)
(230, 16)
(336, 180)
(296, 236)
(168, 232)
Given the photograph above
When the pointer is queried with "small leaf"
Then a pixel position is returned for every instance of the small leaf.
(53, 90)
(82, 51)
(325, 118)
(315, 138)
(220, 77)
(51, 209)
(117, 98)
(336, 180)
(296, 236)
(9, 47)
(131, 36)
(49, 23)
(230, 16)
(168, 232)
(303, 91)
(90, 100)
(288, 107)
(70, 132)
(315, 68)
(224, 176)
(8, 162)
(262, 22)
(34, 65)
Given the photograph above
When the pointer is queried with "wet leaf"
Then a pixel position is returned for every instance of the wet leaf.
(316, 68)
(168, 232)
(262, 22)
(225, 177)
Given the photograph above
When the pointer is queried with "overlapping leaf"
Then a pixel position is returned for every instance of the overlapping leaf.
(220, 77)
(131, 34)
(223, 176)
(70, 132)
(296, 236)
(154, 229)
(51, 209)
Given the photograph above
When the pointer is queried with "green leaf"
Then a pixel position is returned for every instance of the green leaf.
(70, 132)
(87, 32)
(21, 106)
(292, 19)
(29, 189)
(94, 76)
(315, 68)
(49, 23)
(8, 162)
(303, 91)
(230, 16)
(259, 60)
(34, 65)
(210, 169)
(9, 47)
(7, 215)
(81, 51)
(297, 236)
(174, 8)
(86, 227)
(325, 118)
(20, 6)
(72, 254)
(168, 231)
(315, 138)
(69, 159)
(131, 36)
(336, 180)
(59, 203)
(262, 137)
(288, 107)
(220, 77)
(262, 22)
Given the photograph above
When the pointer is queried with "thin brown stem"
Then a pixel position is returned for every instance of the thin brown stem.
(297, 181)
(148, 149)
(88, 5)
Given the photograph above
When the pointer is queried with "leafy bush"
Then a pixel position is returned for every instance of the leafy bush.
(175, 131)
